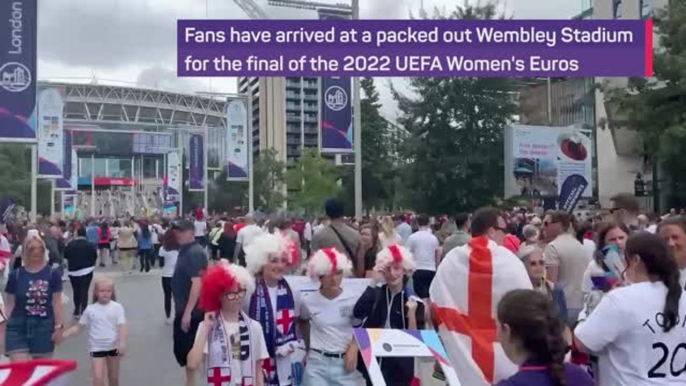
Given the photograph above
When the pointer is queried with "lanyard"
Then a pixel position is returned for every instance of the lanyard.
(533, 368)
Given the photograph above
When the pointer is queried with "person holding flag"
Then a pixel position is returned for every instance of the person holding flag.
(468, 286)
(274, 304)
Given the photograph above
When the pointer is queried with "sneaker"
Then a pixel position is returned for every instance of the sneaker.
(168, 321)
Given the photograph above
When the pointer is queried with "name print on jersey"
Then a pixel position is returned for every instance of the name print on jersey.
(676, 356)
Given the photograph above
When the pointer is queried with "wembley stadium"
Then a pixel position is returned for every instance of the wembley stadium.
(121, 136)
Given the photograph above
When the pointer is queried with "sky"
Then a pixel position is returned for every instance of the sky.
(133, 42)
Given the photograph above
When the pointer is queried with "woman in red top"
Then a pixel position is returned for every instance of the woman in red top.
(104, 235)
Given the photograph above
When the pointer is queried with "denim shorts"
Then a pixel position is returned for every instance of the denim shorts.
(31, 335)
(323, 370)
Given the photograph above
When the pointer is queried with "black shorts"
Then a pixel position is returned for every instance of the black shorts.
(183, 341)
(422, 281)
(105, 354)
(103, 245)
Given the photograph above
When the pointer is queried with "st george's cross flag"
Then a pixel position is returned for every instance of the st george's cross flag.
(469, 283)
(37, 373)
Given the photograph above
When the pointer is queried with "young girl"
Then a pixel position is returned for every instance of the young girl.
(106, 332)
(231, 343)
(531, 335)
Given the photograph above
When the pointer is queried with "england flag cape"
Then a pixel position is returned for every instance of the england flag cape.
(37, 373)
(465, 293)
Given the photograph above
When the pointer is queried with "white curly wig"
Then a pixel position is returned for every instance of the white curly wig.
(258, 252)
(244, 278)
(396, 253)
(326, 261)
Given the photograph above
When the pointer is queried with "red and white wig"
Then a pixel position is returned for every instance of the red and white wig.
(257, 254)
(396, 254)
(220, 279)
(327, 261)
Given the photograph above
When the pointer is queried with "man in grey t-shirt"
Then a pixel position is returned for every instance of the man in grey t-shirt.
(337, 234)
(566, 260)
(461, 235)
(190, 264)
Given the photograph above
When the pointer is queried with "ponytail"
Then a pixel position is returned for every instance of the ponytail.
(656, 257)
(532, 320)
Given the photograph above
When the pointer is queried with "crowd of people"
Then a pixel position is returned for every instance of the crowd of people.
(517, 297)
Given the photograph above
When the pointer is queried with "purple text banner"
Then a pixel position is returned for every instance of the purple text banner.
(581, 48)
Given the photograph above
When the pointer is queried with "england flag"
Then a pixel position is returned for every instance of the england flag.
(37, 373)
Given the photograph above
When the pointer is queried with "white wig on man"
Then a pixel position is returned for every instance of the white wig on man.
(257, 254)
(396, 254)
(327, 261)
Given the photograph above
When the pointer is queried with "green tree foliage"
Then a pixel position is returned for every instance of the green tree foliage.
(311, 180)
(456, 135)
(15, 170)
(656, 108)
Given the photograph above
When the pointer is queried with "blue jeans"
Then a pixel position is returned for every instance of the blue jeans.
(31, 335)
(321, 370)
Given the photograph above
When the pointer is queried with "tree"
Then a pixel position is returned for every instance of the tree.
(456, 135)
(311, 180)
(225, 195)
(655, 108)
(15, 170)
(269, 174)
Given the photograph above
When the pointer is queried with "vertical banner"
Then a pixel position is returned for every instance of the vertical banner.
(335, 121)
(50, 133)
(65, 183)
(172, 188)
(18, 21)
(237, 125)
(196, 168)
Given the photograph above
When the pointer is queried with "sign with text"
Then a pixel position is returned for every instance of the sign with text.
(50, 132)
(18, 30)
(239, 135)
(172, 188)
(196, 168)
(376, 342)
(339, 47)
(549, 161)
(68, 174)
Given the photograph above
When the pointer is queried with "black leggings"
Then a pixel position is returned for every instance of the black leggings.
(80, 285)
(147, 258)
(166, 287)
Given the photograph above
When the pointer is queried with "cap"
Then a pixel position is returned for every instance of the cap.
(183, 225)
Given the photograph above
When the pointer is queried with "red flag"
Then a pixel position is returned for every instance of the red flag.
(36, 373)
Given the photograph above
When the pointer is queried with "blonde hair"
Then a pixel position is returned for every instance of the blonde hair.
(103, 280)
(387, 227)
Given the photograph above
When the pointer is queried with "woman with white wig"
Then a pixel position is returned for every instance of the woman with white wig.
(231, 343)
(332, 358)
(391, 306)
(273, 304)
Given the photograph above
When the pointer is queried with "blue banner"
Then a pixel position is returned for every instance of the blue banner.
(336, 129)
(18, 70)
(64, 183)
(196, 166)
(571, 191)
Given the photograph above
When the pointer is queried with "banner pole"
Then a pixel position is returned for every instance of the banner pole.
(357, 130)
(34, 182)
(205, 174)
(251, 183)
(52, 199)
(183, 166)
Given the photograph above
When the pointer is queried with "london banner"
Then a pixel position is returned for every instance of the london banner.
(237, 125)
(18, 70)
(336, 129)
(543, 161)
(50, 133)
(196, 166)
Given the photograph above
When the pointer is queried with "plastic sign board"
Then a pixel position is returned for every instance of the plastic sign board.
(378, 342)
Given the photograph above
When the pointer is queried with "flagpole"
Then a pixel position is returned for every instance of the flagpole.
(34, 185)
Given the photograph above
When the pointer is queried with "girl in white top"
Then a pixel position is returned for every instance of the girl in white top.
(106, 325)
(332, 358)
(169, 252)
(637, 331)
(231, 343)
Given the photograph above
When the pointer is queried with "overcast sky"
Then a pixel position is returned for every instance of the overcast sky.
(134, 41)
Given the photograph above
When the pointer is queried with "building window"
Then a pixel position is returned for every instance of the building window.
(617, 9)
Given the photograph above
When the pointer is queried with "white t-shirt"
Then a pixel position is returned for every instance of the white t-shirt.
(423, 245)
(331, 320)
(156, 231)
(200, 228)
(169, 261)
(307, 232)
(258, 348)
(247, 234)
(103, 321)
(589, 247)
(632, 348)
